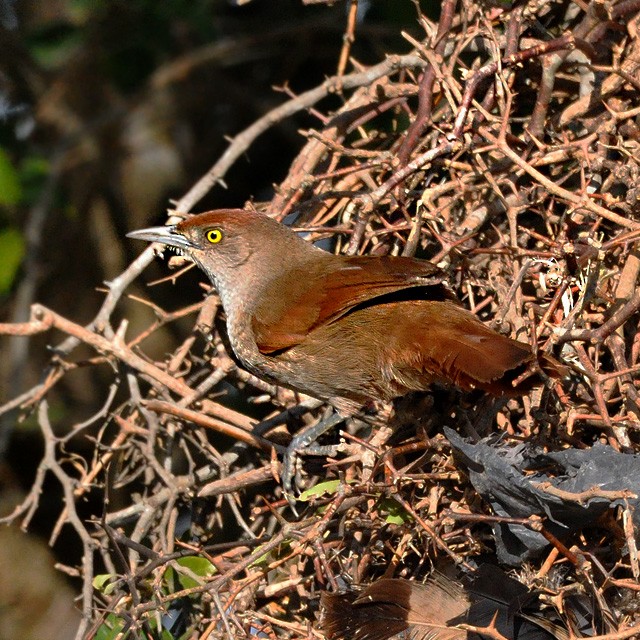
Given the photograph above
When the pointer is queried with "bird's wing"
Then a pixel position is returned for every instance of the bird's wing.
(391, 607)
(283, 320)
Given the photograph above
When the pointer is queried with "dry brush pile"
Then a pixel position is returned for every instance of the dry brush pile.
(505, 147)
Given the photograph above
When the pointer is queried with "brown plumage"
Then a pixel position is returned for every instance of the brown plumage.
(349, 330)
(389, 607)
(404, 610)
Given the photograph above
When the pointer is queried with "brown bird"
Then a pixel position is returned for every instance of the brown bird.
(347, 330)
(396, 608)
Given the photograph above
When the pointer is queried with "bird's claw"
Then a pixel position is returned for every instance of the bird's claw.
(304, 443)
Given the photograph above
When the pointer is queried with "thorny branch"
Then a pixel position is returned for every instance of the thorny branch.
(487, 149)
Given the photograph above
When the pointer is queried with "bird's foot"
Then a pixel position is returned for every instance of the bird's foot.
(304, 443)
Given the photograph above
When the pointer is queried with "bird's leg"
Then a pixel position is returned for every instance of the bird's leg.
(303, 443)
(282, 418)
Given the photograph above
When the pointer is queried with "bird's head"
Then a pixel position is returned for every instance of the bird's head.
(231, 245)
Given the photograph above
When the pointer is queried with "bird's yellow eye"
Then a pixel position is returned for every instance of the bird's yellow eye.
(214, 236)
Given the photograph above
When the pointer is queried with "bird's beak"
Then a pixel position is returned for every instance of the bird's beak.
(166, 235)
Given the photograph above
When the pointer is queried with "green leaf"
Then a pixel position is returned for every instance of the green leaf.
(169, 580)
(261, 561)
(396, 513)
(11, 254)
(197, 565)
(10, 188)
(322, 488)
(110, 629)
(105, 582)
